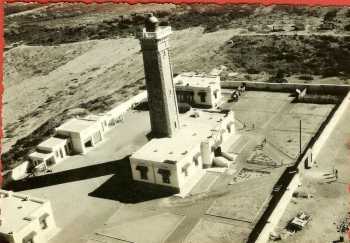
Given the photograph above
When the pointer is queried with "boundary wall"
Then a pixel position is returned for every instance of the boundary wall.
(288, 87)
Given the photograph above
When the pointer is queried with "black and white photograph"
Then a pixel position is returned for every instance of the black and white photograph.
(175, 123)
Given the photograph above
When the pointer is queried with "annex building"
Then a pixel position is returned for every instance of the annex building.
(25, 219)
(198, 89)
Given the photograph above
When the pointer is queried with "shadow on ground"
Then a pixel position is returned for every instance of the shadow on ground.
(119, 187)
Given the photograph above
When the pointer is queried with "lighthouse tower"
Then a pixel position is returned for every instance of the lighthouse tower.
(162, 102)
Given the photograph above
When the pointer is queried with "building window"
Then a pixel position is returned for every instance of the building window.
(216, 94)
(196, 159)
(29, 238)
(43, 222)
(202, 96)
(143, 172)
(165, 175)
(57, 154)
(185, 169)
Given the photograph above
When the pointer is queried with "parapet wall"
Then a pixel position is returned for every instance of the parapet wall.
(289, 87)
(321, 140)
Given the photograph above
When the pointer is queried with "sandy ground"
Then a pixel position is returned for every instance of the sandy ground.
(87, 70)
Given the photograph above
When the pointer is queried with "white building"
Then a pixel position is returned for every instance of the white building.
(178, 161)
(195, 89)
(101, 119)
(182, 146)
(25, 219)
(50, 152)
(82, 133)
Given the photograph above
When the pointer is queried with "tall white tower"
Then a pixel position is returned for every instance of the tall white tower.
(162, 101)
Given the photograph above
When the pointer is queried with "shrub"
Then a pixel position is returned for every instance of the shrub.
(306, 77)
(184, 107)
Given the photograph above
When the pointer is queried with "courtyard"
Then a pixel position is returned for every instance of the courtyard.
(89, 193)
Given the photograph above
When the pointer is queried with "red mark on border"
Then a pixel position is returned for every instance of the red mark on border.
(263, 2)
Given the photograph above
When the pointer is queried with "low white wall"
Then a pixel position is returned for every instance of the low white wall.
(279, 210)
(19, 171)
(343, 107)
(287, 87)
(122, 108)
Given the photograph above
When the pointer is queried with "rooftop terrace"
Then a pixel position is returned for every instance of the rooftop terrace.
(76, 125)
(52, 142)
(193, 131)
(196, 80)
(16, 210)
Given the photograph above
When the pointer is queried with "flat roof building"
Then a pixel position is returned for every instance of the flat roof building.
(198, 89)
(178, 161)
(25, 219)
(82, 133)
(50, 152)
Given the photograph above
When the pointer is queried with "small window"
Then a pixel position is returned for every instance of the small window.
(43, 222)
(165, 175)
(185, 169)
(196, 159)
(166, 179)
(175, 124)
(57, 154)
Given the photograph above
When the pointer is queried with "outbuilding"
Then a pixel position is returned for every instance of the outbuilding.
(82, 133)
(25, 219)
(42, 160)
(177, 162)
(196, 89)
(60, 148)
